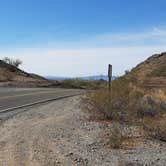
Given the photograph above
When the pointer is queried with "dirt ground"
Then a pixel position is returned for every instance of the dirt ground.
(59, 134)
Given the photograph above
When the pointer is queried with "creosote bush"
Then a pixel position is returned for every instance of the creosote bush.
(155, 128)
(116, 136)
(147, 106)
(99, 106)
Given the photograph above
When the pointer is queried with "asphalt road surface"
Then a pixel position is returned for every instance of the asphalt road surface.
(15, 97)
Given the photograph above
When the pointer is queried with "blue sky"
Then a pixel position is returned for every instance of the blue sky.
(80, 37)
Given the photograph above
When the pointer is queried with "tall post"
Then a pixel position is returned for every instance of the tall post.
(109, 81)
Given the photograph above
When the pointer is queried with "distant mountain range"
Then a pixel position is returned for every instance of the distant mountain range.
(95, 77)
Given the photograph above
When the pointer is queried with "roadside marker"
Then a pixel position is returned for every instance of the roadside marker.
(109, 81)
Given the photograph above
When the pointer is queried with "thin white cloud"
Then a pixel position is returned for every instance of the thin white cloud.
(156, 36)
(92, 56)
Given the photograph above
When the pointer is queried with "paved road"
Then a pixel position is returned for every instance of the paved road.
(14, 97)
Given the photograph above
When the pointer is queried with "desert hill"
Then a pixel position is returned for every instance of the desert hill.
(13, 76)
(151, 72)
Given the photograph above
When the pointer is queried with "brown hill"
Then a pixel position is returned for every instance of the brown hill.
(151, 72)
(12, 76)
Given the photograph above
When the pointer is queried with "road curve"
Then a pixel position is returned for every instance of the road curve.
(17, 97)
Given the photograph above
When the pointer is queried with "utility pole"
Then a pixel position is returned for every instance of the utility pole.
(109, 81)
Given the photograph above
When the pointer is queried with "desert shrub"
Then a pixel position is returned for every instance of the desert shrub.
(163, 106)
(160, 72)
(147, 106)
(124, 94)
(97, 103)
(120, 90)
(155, 128)
(16, 62)
(116, 136)
(160, 95)
(135, 96)
(115, 106)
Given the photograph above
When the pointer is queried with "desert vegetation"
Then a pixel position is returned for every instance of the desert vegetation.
(78, 83)
(13, 62)
(160, 72)
(132, 104)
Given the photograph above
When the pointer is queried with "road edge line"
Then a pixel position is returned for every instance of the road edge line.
(35, 103)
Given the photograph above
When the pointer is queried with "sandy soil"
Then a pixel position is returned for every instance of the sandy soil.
(58, 134)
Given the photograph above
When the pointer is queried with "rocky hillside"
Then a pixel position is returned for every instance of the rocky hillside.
(151, 72)
(12, 76)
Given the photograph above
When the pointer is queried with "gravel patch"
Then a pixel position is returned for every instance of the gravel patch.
(59, 134)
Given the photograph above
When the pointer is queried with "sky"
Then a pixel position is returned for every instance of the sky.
(81, 37)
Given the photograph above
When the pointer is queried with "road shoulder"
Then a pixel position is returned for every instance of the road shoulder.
(58, 133)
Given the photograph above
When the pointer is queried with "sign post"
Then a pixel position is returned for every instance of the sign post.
(109, 79)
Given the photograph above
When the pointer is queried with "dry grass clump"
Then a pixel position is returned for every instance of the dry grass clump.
(160, 94)
(99, 106)
(96, 103)
(123, 136)
(156, 128)
(116, 136)
(118, 106)
(147, 106)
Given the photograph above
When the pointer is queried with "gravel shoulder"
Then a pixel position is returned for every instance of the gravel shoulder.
(59, 134)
